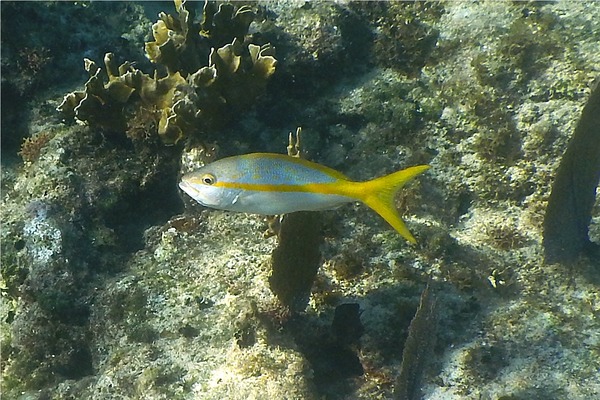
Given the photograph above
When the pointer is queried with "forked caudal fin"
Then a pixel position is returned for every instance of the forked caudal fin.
(379, 194)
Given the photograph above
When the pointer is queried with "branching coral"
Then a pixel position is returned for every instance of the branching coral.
(191, 97)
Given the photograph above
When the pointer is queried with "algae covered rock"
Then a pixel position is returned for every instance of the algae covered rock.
(69, 218)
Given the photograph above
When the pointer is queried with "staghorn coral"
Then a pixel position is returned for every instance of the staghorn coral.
(191, 97)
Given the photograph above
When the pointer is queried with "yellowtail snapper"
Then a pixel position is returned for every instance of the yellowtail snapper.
(265, 183)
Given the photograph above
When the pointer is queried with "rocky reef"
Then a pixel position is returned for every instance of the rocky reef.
(113, 284)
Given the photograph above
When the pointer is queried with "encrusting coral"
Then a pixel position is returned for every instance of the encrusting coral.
(191, 97)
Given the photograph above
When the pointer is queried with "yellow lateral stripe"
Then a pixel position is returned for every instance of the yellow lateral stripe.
(340, 188)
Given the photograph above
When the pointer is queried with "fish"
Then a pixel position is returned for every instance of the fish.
(272, 184)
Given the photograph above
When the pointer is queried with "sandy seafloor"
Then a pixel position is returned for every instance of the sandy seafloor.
(114, 286)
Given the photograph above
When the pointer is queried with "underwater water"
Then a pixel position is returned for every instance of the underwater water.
(115, 284)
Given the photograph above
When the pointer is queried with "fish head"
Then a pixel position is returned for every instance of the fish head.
(201, 185)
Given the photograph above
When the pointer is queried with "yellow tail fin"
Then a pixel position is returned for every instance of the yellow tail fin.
(379, 194)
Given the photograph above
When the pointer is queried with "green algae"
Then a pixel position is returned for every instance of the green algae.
(406, 36)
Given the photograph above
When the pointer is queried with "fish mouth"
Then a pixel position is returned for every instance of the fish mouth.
(186, 187)
(189, 189)
(192, 190)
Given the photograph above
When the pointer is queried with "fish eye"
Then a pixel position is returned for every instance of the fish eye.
(208, 179)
